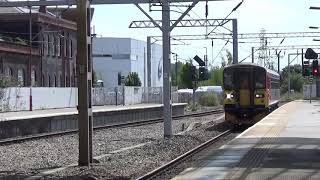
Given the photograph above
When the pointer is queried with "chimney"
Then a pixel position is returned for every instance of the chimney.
(43, 9)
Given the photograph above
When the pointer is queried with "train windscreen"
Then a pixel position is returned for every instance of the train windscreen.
(260, 79)
(228, 79)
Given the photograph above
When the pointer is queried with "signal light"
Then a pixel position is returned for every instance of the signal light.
(315, 68)
(203, 73)
(315, 72)
(193, 73)
(306, 70)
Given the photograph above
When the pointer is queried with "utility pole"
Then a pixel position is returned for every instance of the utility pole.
(278, 56)
(235, 40)
(29, 81)
(288, 76)
(252, 54)
(167, 109)
(149, 61)
(177, 70)
(84, 69)
(206, 57)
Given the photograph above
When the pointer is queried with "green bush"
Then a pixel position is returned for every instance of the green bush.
(209, 99)
(133, 79)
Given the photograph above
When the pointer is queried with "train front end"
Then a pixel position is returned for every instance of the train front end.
(245, 93)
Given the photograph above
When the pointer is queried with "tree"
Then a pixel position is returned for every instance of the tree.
(296, 78)
(215, 77)
(229, 57)
(7, 81)
(185, 76)
(176, 78)
(133, 79)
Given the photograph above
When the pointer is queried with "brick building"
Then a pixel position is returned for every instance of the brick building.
(50, 59)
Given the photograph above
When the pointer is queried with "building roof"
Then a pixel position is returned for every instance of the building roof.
(22, 14)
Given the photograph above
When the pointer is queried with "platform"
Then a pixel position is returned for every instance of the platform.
(284, 145)
(22, 123)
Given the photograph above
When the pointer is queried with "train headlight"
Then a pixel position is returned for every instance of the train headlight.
(230, 96)
(259, 96)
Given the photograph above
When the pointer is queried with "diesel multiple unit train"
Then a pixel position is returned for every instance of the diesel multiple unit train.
(250, 91)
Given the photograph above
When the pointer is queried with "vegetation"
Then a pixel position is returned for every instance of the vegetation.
(133, 79)
(215, 77)
(296, 79)
(185, 76)
(209, 99)
(229, 59)
(7, 81)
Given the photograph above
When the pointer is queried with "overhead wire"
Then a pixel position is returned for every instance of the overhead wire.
(220, 52)
(249, 55)
(234, 9)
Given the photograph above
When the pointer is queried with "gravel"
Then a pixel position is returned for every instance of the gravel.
(124, 153)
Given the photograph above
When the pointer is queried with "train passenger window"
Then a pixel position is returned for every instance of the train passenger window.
(260, 80)
(228, 79)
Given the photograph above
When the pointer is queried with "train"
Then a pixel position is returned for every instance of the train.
(250, 93)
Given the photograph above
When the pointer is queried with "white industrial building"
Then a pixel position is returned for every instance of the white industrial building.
(124, 55)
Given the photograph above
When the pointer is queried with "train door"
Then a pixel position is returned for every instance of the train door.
(244, 88)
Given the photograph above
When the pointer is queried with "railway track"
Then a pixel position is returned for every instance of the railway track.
(183, 157)
(122, 125)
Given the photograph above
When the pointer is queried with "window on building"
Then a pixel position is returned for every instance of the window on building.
(60, 46)
(49, 45)
(42, 46)
(70, 48)
(57, 44)
(8, 71)
(45, 43)
(55, 80)
(67, 81)
(65, 44)
(54, 43)
(43, 81)
(58, 81)
(33, 77)
(21, 77)
(61, 81)
(72, 81)
(49, 81)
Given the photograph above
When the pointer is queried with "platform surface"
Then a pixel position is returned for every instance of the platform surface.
(284, 145)
(7, 116)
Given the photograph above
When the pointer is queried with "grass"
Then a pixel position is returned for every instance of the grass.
(293, 96)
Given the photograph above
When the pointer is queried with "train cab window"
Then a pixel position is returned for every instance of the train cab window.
(244, 81)
(228, 79)
(260, 80)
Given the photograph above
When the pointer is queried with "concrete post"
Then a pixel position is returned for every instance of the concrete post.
(235, 40)
(167, 110)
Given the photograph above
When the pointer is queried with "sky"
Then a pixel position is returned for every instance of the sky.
(253, 15)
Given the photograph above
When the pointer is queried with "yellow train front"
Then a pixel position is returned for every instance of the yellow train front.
(250, 92)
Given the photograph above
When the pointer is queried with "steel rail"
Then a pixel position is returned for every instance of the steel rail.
(120, 125)
(183, 156)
